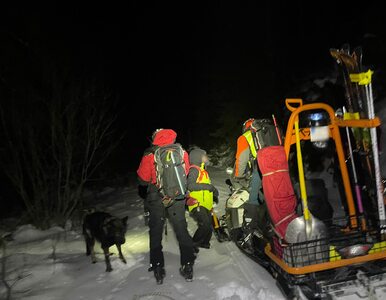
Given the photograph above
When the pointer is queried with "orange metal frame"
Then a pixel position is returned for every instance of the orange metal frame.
(296, 107)
(323, 266)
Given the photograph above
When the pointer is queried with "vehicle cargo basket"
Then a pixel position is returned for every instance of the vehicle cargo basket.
(337, 248)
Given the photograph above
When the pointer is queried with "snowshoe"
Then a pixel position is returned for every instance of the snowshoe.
(187, 271)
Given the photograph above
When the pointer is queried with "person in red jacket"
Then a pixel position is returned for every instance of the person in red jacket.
(176, 213)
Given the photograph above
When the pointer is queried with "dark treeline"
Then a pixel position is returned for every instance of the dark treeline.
(200, 69)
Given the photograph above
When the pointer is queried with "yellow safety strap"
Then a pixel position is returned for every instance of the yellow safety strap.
(363, 78)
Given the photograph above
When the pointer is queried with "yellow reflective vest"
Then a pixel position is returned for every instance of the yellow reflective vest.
(203, 197)
(249, 137)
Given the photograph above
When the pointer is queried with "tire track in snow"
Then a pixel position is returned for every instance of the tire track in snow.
(241, 261)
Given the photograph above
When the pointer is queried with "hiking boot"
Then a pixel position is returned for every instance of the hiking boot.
(187, 271)
(159, 273)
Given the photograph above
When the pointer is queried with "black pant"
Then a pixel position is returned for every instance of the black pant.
(176, 216)
(203, 233)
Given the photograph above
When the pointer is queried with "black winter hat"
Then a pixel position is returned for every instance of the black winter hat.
(195, 156)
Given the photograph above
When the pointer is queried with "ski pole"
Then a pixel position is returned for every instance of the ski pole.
(302, 183)
(357, 187)
(362, 93)
(365, 79)
(377, 171)
(277, 129)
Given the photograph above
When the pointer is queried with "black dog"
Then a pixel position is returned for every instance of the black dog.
(107, 230)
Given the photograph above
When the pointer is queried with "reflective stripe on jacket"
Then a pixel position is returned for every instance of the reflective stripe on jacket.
(203, 197)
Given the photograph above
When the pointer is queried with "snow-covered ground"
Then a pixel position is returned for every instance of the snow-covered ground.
(43, 265)
(53, 264)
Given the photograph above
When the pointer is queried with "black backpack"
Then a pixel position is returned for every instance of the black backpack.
(266, 134)
(170, 171)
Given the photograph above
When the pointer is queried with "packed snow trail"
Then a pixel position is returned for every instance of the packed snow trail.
(220, 273)
(52, 264)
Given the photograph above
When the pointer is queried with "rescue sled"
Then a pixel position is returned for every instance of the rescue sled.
(313, 257)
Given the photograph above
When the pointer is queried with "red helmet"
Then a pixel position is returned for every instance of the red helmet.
(249, 124)
(155, 133)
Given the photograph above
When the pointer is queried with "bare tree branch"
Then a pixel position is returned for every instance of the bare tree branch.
(50, 162)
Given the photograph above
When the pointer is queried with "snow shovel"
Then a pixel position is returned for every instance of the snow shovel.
(305, 227)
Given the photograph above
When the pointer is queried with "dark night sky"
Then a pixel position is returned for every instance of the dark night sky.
(192, 55)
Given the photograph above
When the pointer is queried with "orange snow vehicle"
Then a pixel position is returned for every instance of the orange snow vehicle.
(317, 258)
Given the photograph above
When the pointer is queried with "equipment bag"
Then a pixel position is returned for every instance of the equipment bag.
(266, 134)
(277, 187)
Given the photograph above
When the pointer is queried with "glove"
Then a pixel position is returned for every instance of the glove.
(215, 193)
(213, 190)
(191, 201)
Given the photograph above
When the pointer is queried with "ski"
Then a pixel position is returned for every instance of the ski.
(348, 65)
(359, 98)
(335, 53)
(363, 80)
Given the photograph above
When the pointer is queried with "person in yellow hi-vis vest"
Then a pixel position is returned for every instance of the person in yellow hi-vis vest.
(202, 193)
